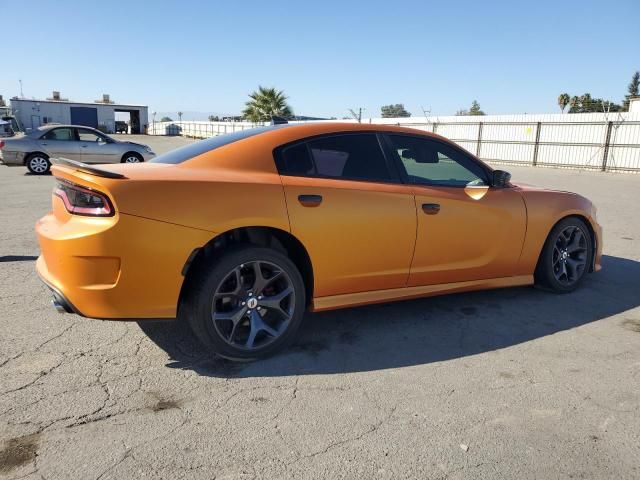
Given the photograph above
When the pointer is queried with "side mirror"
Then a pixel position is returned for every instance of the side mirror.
(500, 178)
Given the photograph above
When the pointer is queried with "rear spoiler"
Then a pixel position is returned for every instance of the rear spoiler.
(83, 167)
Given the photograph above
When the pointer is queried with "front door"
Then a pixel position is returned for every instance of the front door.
(357, 225)
(467, 230)
(61, 142)
(35, 122)
(96, 148)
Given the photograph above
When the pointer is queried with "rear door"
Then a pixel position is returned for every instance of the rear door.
(96, 148)
(60, 142)
(467, 230)
(358, 225)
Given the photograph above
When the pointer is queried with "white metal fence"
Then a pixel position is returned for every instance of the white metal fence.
(199, 129)
(607, 142)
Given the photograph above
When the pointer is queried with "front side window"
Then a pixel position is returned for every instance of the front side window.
(349, 156)
(431, 162)
(64, 134)
(89, 136)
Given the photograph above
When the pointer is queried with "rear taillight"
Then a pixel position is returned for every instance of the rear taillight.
(83, 201)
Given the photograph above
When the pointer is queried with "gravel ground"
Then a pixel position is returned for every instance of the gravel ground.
(516, 383)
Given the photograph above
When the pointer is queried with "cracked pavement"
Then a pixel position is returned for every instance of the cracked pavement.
(536, 385)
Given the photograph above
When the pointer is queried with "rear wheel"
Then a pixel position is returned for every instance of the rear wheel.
(248, 305)
(132, 157)
(38, 163)
(566, 256)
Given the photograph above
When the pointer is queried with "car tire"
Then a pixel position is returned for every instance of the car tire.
(132, 157)
(566, 257)
(38, 163)
(239, 315)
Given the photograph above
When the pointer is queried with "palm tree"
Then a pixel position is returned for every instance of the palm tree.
(180, 116)
(266, 103)
(563, 101)
(575, 104)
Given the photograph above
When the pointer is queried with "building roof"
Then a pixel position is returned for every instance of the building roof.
(70, 102)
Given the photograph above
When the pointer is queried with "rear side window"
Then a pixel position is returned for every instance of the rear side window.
(350, 157)
(59, 134)
(295, 160)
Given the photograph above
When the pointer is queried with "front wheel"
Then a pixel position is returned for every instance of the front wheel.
(566, 256)
(247, 305)
(38, 163)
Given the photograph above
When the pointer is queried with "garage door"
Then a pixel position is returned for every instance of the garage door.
(86, 116)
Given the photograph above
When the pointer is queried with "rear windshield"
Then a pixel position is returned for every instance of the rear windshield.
(187, 152)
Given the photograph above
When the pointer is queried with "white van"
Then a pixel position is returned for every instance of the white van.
(6, 129)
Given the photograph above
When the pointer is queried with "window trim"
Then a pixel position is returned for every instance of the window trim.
(394, 176)
(488, 172)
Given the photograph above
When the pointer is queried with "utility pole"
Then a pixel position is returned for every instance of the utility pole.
(21, 94)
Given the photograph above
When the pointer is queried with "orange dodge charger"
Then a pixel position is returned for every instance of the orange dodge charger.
(240, 234)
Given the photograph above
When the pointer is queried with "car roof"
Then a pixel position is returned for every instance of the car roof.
(49, 126)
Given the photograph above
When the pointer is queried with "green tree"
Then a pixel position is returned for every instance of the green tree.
(587, 104)
(475, 109)
(166, 119)
(393, 111)
(563, 101)
(574, 104)
(266, 103)
(633, 91)
(214, 118)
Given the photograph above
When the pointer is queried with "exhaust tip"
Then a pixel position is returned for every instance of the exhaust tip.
(58, 306)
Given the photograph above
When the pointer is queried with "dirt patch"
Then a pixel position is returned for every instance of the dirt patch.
(469, 310)
(348, 338)
(17, 452)
(312, 347)
(166, 405)
(632, 324)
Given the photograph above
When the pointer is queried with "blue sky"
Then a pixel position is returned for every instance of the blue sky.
(328, 56)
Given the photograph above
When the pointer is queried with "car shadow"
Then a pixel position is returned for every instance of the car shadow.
(420, 331)
(18, 258)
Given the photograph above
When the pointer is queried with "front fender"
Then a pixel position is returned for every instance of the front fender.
(546, 208)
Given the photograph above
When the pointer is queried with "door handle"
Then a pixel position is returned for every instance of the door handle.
(83, 146)
(430, 208)
(310, 200)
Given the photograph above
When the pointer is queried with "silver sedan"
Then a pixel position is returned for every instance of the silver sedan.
(82, 144)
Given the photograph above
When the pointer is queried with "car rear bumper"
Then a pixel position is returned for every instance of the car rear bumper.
(12, 159)
(121, 267)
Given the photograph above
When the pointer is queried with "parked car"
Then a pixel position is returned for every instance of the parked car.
(122, 127)
(240, 234)
(5, 129)
(35, 149)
